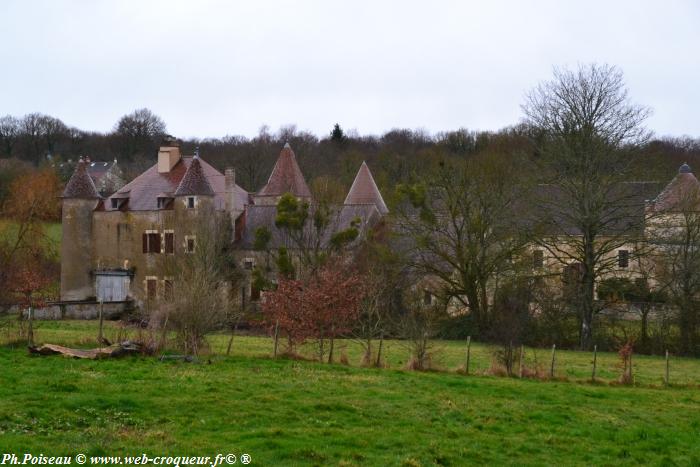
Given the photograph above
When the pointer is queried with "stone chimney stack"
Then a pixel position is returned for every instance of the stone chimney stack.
(230, 184)
(168, 155)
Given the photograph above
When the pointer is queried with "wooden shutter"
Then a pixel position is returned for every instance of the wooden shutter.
(151, 285)
(169, 243)
(144, 242)
(155, 248)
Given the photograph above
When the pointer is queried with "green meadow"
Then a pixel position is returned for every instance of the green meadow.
(296, 412)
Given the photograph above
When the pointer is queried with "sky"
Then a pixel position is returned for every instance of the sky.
(216, 68)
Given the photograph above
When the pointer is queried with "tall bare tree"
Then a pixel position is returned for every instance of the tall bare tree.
(139, 132)
(9, 134)
(585, 127)
(464, 232)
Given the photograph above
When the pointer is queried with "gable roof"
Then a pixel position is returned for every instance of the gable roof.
(80, 184)
(684, 188)
(365, 191)
(286, 177)
(144, 190)
(194, 182)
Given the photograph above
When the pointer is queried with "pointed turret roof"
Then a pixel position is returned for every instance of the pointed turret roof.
(286, 177)
(194, 182)
(80, 184)
(684, 188)
(365, 191)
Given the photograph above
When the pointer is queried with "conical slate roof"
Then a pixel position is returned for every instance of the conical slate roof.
(286, 177)
(684, 188)
(80, 184)
(194, 182)
(365, 191)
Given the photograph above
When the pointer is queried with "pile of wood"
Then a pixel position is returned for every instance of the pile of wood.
(115, 350)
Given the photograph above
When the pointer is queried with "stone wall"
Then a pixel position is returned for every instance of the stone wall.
(81, 310)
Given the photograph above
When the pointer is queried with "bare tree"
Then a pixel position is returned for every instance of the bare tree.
(463, 229)
(139, 132)
(204, 283)
(9, 134)
(585, 127)
(678, 253)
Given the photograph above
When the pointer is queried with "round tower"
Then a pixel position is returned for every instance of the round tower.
(80, 198)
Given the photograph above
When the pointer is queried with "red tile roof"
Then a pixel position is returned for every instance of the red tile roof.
(683, 189)
(143, 191)
(286, 177)
(194, 182)
(80, 184)
(365, 191)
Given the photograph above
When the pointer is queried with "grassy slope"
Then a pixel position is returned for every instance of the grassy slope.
(299, 413)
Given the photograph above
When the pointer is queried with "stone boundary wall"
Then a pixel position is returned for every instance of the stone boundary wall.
(79, 310)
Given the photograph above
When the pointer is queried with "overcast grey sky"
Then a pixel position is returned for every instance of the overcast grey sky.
(211, 68)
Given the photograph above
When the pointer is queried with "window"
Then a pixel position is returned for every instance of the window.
(167, 289)
(151, 288)
(190, 202)
(623, 258)
(427, 297)
(248, 264)
(537, 259)
(115, 203)
(151, 241)
(169, 242)
(190, 243)
(162, 202)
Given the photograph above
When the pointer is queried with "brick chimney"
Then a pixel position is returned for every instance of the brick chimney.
(168, 155)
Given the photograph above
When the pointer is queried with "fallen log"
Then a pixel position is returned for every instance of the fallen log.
(112, 351)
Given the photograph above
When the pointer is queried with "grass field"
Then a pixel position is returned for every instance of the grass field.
(285, 412)
(52, 232)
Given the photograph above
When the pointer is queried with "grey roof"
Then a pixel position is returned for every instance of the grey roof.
(342, 217)
(549, 209)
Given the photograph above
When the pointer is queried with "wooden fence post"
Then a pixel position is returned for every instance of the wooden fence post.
(595, 361)
(666, 379)
(469, 345)
(378, 363)
(551, 370)
(100, 336)
(277, 336)
(30, 328)
(520, 366)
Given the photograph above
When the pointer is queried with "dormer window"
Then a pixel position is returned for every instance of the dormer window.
(163, 202)
(117, 203)
(191, 202)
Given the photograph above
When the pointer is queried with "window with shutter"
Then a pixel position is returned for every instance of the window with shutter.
(190, 243)
(537, 259)
(151, 242)
(623, 258)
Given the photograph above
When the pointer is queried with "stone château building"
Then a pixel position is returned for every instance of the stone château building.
(115, 248)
